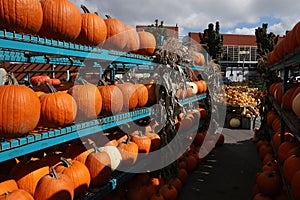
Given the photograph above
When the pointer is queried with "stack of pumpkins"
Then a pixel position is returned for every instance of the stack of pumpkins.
(285, 46)
(54, 109)
(272, 154)
(68, 170)
(62, 20)
(290, 100)
(191, 89)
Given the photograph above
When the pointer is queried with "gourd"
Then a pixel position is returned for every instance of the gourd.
(234, 122)
(20, 108)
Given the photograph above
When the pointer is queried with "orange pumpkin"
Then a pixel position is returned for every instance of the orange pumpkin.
(58, 108)
(284, 148)
(98, 164)
(290, 166)
(130, 95)
(15, 121)
(112, 99)
(199, 58)
(295, 183)
(54, 186)
(17, 16)
(286, 98)
(7, 184)
(27, 173)
(88, 100)
(16, 194)
(143, 141)
(61, 20)
(129, 152)
(142, 93)
(93, 29)
(268, 182)
(296, 105)
(168, 191)
(147, 43)
(77, 172)
(117, 36)
(133, 42)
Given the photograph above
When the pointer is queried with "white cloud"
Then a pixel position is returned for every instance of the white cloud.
(235, 16)
(242, 31)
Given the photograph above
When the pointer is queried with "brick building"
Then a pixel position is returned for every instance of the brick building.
(239, 60)
(240, 57)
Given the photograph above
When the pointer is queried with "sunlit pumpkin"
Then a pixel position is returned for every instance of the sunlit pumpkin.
(24, 16)
(61, 20)
(93, 29)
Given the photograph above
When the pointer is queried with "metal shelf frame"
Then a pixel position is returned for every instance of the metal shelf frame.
(37, 141)
(34, 142)
(288, 117)
(29, 48)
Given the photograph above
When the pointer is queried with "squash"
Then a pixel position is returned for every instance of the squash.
(129, 152)
(77, 172)
(117, 36)
(58, 108)
(234, 122)
(112, 99)
(98, 164)
(114, 155)
(147, 43)
(93, 29)
(296, 105)
(61, 20)
(18, 194)
(130, 96)
(27, 173)
(142, 93)
(133, 42)
(18, 16)
(268, 182)
(54, 186)
(15, 121)
(193, 86)
(88, 100)
(7, 184)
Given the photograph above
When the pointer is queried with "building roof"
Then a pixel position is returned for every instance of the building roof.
(229, 39)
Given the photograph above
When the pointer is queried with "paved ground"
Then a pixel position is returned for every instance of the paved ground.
(229, 173)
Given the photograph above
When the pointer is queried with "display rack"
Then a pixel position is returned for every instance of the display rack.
(37, 141)
(287, 117)
(24, 48)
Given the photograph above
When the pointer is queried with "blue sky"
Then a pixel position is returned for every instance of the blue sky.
(235, 16)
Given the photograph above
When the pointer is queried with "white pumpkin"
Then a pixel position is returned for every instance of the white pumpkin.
(193, 86)
(114, 154)
(296, 105)
(234, 122)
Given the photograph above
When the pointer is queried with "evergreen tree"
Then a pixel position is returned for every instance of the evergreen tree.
(212, 41)
(265, 41)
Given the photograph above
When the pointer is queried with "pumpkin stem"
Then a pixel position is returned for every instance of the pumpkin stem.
(82, 81)
(95, 147)
(51, 88)
(66, 162)
(54, 173)
(128, 139)
(102, 82)
(108, 17)
(96, 13)
(84, 8)
(11, 79)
